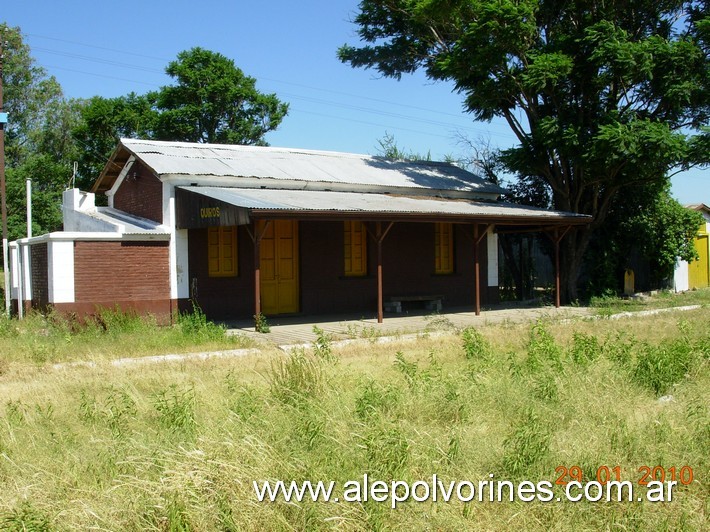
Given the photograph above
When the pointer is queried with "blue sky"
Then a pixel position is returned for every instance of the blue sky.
(111, 49)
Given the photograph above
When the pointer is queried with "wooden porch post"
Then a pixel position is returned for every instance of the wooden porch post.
(379, 237)
(256, 237)
(477, 269)
(557, 269)
(380, 303)
(257, 273)
(556, 238)
(478, 235)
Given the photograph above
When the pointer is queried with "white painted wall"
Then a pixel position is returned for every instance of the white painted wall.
(60, 265)
(183, 270)
(681, 282)
(492, 244)
(78, 210)
(26, 272)
(169, 225)
(14, 269)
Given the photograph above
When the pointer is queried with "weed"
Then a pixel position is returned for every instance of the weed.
(437, 322)
(546, 387)
(362, 331)
(375, 398)
(622, 439)
(26, 518)
(41, 352)
(45, 413)
(310, 427)
(176, 518)
(295, 377)
(451, 406)
(454, 448)
(15, 412)
(322, 347)
(88, 408)
(542, 349)
(246, 403)
(585, 348)
(619, 349)
(475, 346)
(260, 324)
(527, 446)
(408, 369)
(660, 367)
(116, 321)
(387, 452)
(119, 409)
(8, 328)
(196, 325)
(176, 409)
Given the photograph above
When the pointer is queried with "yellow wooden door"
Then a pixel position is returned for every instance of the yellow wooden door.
(699, 270)
(279, 268)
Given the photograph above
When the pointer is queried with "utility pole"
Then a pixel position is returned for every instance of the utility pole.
(3, 121)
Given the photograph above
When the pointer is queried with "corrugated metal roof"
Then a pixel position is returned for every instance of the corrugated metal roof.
(354, 202)
(220, 160)
(130, 223)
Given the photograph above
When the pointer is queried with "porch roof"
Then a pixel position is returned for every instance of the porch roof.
(239, 206)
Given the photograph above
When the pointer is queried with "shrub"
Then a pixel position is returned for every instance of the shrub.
(660, 367)
(585, 348)
(619, 349)
(195, 325)
(260, 324)
(542, 349)
(322, 347)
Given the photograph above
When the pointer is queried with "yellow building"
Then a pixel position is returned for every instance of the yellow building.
(696, 274)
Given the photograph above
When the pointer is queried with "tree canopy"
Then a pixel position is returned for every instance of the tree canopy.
(38, 141)
(602, 96)
(211, 101)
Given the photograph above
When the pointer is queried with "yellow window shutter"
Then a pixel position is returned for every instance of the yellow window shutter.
(355, 249)
(222, 251)
(443, 248)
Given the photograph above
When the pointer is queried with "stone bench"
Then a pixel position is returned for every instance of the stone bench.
(394, 303)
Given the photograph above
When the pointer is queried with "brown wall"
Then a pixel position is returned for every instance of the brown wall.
(131, 274)
(222, 297)
(141, 194)
(40, 279)
(408, 266)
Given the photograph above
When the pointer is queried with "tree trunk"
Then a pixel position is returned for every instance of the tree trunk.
(572, 250)
(515, 269)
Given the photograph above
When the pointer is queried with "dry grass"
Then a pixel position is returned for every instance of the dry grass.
(177, 446)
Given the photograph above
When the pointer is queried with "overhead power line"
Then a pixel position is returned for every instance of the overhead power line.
(286, 95)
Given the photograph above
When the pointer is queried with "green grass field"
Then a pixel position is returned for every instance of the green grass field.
(176, 446)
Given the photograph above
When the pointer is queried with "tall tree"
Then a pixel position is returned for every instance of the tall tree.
(38, 141)
(211, 101)
(214, 101)
(103, 122)
(600, 95)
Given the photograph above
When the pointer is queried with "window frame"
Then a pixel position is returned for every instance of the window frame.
(351, 245)
(444, 245)
(225, 236)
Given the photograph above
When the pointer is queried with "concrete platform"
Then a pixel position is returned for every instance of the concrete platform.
(299, 329)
